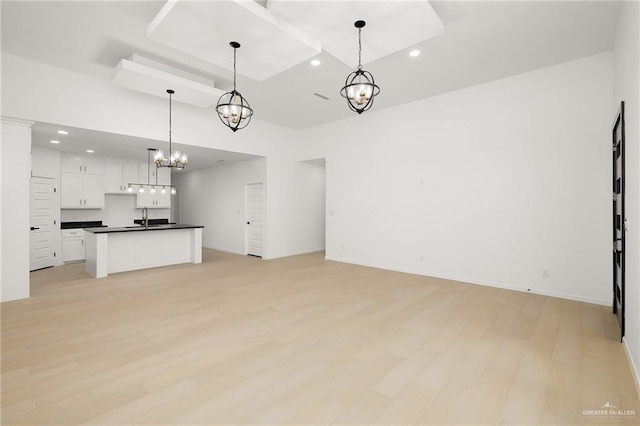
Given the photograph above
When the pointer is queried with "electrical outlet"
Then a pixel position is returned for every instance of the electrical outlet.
(545, 273)
(422, 257)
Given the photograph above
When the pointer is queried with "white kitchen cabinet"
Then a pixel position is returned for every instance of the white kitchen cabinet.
(156, 200)
(129, 172)
(164, 176)
(82, 182)
(163, 201)
(80, 191)
(148, 175)
(70, 163)
(73, 248)
(119, 174)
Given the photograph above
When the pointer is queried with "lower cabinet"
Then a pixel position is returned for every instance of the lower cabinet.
(73, 245)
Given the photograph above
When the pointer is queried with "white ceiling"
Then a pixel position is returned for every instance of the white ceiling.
(391, 26)
(205, 29)
(481, 42)
(122, 146)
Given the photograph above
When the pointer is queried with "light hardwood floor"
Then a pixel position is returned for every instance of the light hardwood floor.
(301, 340)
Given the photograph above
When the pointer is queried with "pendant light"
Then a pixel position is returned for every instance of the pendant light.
(152, 186)
(176, 159)
(233, 109)
(360, 87)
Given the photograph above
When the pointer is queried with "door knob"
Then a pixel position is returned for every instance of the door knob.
(34, 227)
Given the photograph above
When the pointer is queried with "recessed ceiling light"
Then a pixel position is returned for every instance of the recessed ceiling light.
(55, 141)
(63, 132)
(90, 151)
(414, 53)
(315, 62)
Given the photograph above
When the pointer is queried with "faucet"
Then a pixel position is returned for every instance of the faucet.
(145, 218)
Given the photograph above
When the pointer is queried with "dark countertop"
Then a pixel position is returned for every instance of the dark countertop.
(83, 224)
(139, 228)
(155, 222)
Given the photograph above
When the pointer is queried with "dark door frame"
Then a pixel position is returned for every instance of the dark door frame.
(618, 219)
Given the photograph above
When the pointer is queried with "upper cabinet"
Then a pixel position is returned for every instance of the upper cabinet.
(119, 174)
(85, 180)
(82, 164)
(154, 200)
(148, 175)
(164, 176)
(82, 182)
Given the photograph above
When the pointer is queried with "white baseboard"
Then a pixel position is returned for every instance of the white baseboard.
(632, 364)
(224, 249)
(575, 297)
(295, 253)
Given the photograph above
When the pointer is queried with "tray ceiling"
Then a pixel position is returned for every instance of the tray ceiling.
(391, 26)
(204, 30)
(285, 33)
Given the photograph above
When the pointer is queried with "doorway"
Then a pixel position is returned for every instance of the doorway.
(254, 228)
(41, 223)
(619, 221)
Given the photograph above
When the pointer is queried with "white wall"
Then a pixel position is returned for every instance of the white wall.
(215, 198)
(296, 206)
(46, 163)
(492, 184)
(626, 60)
(14, 217)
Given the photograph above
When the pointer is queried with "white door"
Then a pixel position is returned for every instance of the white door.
(255, 212)
(41, 223)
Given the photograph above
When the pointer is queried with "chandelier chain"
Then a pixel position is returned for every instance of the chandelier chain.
(170, 123)
(359, 48)
(234, 69)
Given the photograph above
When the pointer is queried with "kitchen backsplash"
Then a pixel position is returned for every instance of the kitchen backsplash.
(119, 210)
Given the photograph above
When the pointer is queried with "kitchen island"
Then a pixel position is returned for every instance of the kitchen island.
(110, 250)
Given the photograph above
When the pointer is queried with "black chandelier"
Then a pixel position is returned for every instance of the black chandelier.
(360, 88)
(176, 159)
(233, 109)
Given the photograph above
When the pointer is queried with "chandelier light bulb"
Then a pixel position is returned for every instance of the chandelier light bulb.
(163, 190)
(141, 190)
(153, 190)
(173, 190)
(158, 157)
